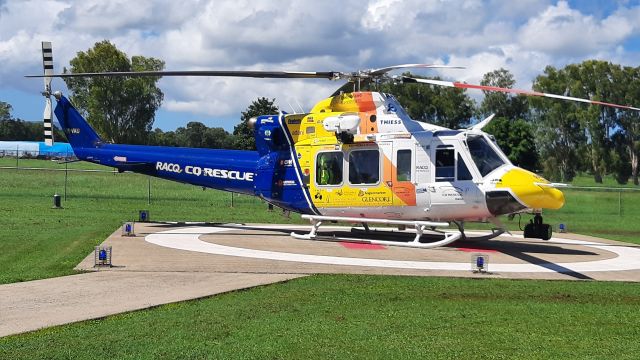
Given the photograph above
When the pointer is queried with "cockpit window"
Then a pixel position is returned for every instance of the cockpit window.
(483, 155)
(445, 164)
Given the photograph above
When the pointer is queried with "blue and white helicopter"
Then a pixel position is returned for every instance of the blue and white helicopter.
(356, 157)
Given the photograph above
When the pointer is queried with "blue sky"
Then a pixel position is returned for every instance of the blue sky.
(522, 36)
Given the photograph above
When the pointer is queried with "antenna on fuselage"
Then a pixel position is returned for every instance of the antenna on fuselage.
(300, 106)
(292, 108)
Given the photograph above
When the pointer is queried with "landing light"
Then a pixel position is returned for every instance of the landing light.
(348, 123)
(480, 263)
(102, 256)
(562, 228)
(128, 229)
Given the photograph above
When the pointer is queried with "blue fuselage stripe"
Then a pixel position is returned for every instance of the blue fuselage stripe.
(231, 170)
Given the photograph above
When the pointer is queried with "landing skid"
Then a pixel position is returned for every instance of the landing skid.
(433, 233)
(420, 228)
(494, 233)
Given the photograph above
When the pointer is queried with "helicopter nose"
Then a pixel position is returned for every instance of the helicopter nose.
(531, 190)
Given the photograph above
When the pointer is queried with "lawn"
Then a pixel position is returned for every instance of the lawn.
(608, 214)
(324, 316)
(364, 317)
(40, 242)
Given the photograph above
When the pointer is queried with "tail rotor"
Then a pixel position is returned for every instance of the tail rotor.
(47, 62)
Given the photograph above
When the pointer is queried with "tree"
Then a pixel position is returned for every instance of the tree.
(218, 138)
(245, 138)
(516, 138)
(194, 134)
(620, 162)
(161, 138)
(500, 103)
(559, 135)
(514, 135)
(448, 107)
(16, 129)
(122, 110)
(5, 111)
(198, 135)
(20, 130)
(600, 135)
(591, 79)
(627, 137)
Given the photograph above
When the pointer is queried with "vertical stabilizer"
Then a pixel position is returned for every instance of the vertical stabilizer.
(79, 133)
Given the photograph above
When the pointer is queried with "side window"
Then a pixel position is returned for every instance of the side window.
(364, 167)
(445, 164)
(403, 167)
(329, 168)
(463, 170)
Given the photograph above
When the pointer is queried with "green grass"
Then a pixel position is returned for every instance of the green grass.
(37, 241)
(364, 317)
(611, 214)
(41, 242)
(584, 179)
(316, 317)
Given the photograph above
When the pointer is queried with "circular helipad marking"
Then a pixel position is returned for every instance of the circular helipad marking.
(628, 258)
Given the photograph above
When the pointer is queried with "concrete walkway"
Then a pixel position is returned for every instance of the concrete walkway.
(37, 304)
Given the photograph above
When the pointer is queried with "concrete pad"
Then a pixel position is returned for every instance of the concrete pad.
(37, 304)
(270, 249)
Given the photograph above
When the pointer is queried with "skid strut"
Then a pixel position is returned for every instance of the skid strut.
(419, 226)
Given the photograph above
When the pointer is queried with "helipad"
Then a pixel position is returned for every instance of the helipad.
(270, 249)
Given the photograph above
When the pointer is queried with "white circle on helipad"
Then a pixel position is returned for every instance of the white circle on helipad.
(628, 258)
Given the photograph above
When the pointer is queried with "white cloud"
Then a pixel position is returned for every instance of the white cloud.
(564, 31)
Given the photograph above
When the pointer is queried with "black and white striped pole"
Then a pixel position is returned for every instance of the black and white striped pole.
(47, 63)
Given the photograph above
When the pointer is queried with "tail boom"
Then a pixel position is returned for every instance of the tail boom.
(231, 170)
(269, 174)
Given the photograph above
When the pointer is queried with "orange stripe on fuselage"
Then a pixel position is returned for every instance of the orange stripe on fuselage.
(367, 109)
(403, 190)
(364, 101)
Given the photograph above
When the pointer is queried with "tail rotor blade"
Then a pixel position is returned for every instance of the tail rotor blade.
(47, 64)
(48, 125)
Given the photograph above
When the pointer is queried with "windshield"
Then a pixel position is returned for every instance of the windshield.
(483, 155)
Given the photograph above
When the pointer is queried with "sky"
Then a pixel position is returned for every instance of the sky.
(522, 36)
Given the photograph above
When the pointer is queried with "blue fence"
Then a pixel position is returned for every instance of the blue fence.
(35, 149)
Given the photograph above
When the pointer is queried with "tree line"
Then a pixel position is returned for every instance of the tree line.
(194, 134)
(557, 138)
(17, 129)
(197, 134)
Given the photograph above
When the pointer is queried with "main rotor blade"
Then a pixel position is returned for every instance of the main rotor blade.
(384, 70)
(514, 91)
(331, 75)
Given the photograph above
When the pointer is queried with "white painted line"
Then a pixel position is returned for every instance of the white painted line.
(628, 258)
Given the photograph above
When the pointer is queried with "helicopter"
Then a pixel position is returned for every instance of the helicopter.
(356, 157)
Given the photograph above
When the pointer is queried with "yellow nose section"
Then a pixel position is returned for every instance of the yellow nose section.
(525, 185)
